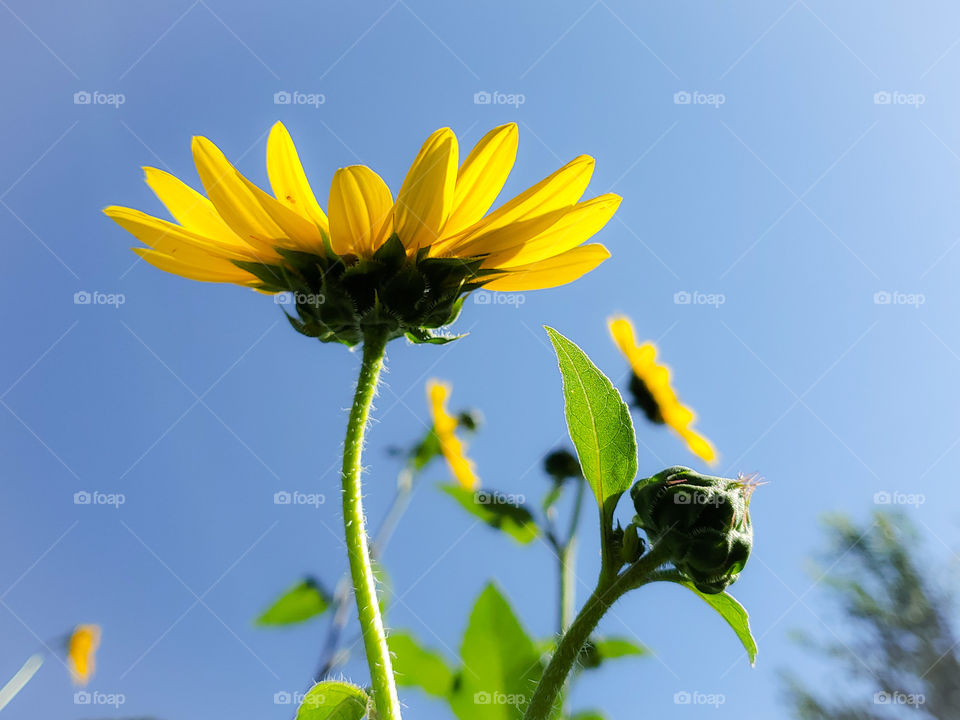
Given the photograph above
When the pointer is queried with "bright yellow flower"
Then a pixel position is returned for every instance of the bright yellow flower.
(652, 391)
(285, 242)
(81, 652)
(444, 426)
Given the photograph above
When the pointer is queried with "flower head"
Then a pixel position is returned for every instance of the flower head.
(81, 652)
(444, 427)
(651, 390)
(399, 264)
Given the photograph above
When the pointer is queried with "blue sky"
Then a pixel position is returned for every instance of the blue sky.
(787, 185)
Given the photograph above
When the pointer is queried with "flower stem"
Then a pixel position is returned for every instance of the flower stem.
(361, 571)
(568, 649)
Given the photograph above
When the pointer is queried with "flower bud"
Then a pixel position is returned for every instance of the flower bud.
(703, 520)
(561, 464)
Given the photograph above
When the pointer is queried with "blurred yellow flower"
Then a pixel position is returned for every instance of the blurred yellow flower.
(81, 652)
(444, 426)
(533, 241)
(651, 389)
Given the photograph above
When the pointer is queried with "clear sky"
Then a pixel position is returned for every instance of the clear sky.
(786, 186)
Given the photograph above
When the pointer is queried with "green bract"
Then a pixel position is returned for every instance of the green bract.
(703, 520)
(338, 299)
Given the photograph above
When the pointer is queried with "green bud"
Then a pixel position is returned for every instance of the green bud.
(704, 520)
(562, 464)
(632, 545)
(470, 419)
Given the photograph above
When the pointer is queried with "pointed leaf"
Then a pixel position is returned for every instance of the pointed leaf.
(416, 666)
(496, 510)
(303, 601)
(731, 611)
(599, 422)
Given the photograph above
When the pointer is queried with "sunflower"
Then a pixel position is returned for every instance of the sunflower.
(651, 390)
(81, 651)
(444, 427)
(400, 264)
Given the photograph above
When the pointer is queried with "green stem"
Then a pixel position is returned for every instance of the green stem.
(567, 557)
(568, 650)
(361, 571)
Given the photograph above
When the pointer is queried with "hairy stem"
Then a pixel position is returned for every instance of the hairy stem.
(568, 649)
(361, 570)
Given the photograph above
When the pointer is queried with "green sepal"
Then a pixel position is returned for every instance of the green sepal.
(305, 600)
(512, 518)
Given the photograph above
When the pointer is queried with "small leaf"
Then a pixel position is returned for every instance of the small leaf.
(496, 511)
(333, 701)
(417, 667)
(609, 648)
(588, 715)
(735, 615)
(599, 422)
(303, 601)
(501, 663)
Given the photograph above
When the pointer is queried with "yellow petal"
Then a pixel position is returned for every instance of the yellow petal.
(195, 270)
(287, 179)
(444, 425)
(298, 232)
(360, 204)
(558, 270)
(426, 196)
(557, 191)
(699, 446)
(169, 238)
(190, 208)
(573, 227)
(481, 177)
(81, 652)
(621, 329)
(232, 198)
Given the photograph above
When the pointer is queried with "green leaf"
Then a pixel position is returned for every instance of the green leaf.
(731, 611)
(333, 701)
(416, 666)
(495, 510)
(599, 422)
(501, 664)
(609, 648)
(303, 601)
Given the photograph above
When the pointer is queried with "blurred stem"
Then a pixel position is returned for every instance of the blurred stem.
(567, 558)
(361, 569)
(571, 644)
(15, 684)
(343, 594)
